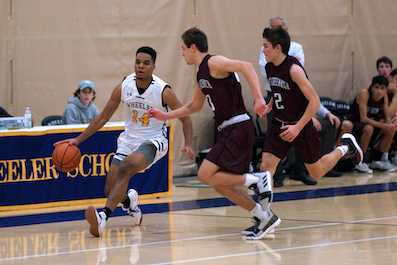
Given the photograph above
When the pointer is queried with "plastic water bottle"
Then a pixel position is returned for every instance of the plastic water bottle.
(251, 168)
(28, 118)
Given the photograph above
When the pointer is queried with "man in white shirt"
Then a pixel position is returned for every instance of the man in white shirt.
(295, 48)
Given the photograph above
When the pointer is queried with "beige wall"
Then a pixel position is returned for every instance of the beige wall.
(48, 46)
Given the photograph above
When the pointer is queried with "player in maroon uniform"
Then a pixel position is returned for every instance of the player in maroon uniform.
(370, 115)
(229, 158)
(294, 103)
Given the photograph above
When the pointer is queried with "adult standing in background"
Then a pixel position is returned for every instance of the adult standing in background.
(295, 49)
(80, 108)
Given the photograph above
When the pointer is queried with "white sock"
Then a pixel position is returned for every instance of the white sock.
(250, 179)
(385, 157)
(343, 149)
(259, 213)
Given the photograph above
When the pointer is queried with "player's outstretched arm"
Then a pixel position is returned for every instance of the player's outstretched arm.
(172, 101)
(194, 106)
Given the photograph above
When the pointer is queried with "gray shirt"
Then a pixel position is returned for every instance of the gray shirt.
(78, 113)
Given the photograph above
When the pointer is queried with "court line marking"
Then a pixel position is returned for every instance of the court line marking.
(225, 235)
(278, 250)
(19, 220)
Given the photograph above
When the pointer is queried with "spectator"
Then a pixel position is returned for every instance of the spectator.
(80, 108)
(366, 112)
(392, 89)
(384, 66)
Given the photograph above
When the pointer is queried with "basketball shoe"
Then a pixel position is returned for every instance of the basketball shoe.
(96, 220)
(133, 209)
(251, 229)
(264, 226)
(263, 189)
(355, 153)
(383, 166)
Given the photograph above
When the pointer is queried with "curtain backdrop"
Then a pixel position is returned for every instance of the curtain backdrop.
(48, 46)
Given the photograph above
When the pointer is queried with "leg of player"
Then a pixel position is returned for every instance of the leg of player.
(348, 147)
(130, 165)
(263, 189)
(226, 184)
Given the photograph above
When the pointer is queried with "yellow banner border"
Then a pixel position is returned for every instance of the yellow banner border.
(93, 201)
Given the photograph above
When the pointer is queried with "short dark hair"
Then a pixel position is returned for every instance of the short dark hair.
(393, 73)
(196, 37)
(380, 80)
(384, 59)
(78, 91)
(278, 35)
(148, 50)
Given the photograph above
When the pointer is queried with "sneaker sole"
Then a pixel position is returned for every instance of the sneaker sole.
(364, 172)
(92, 219)
(249, 232)
(271, 227)
(140, 220)
(353, 139)
(384, 170)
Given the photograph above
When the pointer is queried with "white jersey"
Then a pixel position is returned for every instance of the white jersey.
(136, 106)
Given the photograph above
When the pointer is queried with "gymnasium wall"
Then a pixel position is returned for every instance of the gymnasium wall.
(48, 46)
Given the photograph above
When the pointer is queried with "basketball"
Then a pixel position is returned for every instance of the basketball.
(66, 157)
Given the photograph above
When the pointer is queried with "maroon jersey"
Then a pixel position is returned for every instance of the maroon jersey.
(289, 103)
(223, 95)
(374, 109)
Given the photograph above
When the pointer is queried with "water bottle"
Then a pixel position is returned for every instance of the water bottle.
(251, 168)
(28, 118)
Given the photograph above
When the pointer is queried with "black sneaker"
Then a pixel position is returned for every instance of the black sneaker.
(355, 153)
(278, 183)
(334, 174)
(264, 227)
(251, 229)
(305, 178)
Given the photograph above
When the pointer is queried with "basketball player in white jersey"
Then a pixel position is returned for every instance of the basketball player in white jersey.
(142, 143)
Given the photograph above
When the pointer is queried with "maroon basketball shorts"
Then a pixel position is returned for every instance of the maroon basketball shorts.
(233, 148)
(358, 128)
(307, 143)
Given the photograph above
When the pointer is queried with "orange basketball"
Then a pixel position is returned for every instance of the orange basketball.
(66, 157)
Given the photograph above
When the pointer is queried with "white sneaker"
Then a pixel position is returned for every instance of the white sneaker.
(96, 220)
(264, 227)
(263, 189)
(134, 211)
(363, 168)
(394, 160)
(383, 166)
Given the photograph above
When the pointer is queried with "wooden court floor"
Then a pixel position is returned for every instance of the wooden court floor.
(346, 220)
